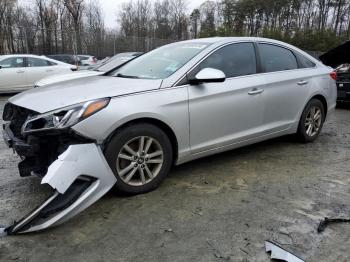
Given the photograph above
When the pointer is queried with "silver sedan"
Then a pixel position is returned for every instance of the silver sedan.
(174, 104)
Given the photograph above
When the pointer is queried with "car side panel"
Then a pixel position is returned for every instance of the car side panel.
(13, 79)
(225, 113)
(284, 97)
(167, 105)
(37, 73)
(321, 84)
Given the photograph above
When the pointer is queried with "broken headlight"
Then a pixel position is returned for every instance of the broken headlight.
(64, 117)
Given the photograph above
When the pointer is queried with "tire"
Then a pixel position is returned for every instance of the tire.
(146, 171)
(307, 134)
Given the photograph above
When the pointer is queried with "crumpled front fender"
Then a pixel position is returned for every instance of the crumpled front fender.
(80, 176)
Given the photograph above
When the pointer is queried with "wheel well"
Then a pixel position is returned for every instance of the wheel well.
(324, 102)
(160, 124)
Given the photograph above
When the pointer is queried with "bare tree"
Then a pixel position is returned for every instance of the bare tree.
(52, 26)
(178, 18)
(95, 31)
(195, 19)
(75, 8)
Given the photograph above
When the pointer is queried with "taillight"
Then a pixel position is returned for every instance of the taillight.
(333, 75)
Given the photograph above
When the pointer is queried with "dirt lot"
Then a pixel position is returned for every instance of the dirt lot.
(221, 208)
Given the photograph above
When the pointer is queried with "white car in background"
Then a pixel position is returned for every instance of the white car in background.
(20, 72)
(109, 65)
(87, 60)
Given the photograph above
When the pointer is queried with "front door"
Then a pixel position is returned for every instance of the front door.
(12, 74)
(38, 69)
(226, 113)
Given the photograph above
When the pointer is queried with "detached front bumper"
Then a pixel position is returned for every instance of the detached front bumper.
(80, 176)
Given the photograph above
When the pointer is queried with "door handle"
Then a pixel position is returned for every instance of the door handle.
(302, 82)
(255, 91)
(20, 71)
(49, 70)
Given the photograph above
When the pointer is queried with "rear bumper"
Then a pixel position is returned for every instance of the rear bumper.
(80, 176)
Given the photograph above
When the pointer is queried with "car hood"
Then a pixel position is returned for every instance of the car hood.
(64, 77)
(55, 96)
(337, 56)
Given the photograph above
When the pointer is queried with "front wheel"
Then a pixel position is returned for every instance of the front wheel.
(311, 121)
(140, 156)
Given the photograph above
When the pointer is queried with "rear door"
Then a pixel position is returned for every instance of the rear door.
(13, 74)
(226, 113)
(38, 68)
(287, 86)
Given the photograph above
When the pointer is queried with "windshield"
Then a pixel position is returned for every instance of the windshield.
(161, 62)
(115, 61)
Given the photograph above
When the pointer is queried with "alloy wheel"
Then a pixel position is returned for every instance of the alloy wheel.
(140, 160)
(313, 121)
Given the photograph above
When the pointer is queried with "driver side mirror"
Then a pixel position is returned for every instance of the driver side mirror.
(208, 75)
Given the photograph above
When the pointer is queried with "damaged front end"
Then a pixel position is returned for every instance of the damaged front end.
(72, 165)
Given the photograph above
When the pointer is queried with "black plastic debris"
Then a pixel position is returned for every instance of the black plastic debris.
(324, 223)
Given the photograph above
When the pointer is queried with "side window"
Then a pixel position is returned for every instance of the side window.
(37, 62)
(275, 58)
(304, 62)
(83, 57)
(234, 60)
(12, 62)
(67, 59)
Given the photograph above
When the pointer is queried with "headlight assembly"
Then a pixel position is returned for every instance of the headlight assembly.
(64, 117)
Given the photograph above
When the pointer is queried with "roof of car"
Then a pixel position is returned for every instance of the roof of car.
(223, 40)
(61, 55)
(130, 53)
(20, 55)
(34, 56)
(219, 39)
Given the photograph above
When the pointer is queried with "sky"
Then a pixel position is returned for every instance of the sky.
(111, 8)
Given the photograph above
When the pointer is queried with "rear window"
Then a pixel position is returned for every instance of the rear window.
(12, 62)
(83, 57)
(275, 58)
(37, 62)
(304, 62)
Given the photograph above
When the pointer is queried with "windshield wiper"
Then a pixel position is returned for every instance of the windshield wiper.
(126, 76)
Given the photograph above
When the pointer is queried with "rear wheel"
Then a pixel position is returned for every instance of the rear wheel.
(311, 121)
(140, 156)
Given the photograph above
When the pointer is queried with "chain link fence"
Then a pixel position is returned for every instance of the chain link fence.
(100, 44)
(49, 42)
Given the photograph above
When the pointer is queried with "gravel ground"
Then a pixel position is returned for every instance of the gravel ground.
(221, 208)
